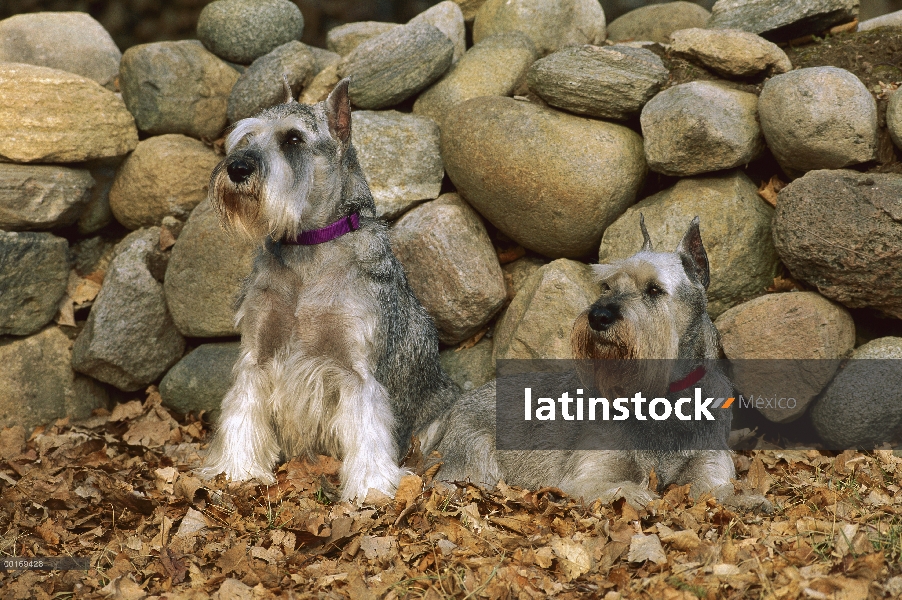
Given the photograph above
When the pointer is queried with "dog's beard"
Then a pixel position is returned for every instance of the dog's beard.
(237, 205)
(610, 362)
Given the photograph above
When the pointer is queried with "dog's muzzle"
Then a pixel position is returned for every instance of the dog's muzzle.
(239, 170)
(603, 316)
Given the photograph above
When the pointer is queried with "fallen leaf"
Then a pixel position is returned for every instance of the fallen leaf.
(573, 559)
(646, 547)
(770, 189)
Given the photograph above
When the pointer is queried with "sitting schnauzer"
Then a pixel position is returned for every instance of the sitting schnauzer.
(337, 355)
(652, 306)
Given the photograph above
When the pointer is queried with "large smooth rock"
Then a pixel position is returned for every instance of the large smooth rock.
(68, 41)
(730, 52)
(735, 228)
(550, 24)
(493, 67)
(860, 409)
(782, 20)
(392, 67)
(42, 196)
(818, 118)
(842, 232)
(261, 86)
(655, 23)
(612, 83)
(699, 127)
(894, 118)
(165, 175)
(241, 31)
(538, 322)
(451, 265)
(343, 39)
(38, 385)
(52, 116)
(893, 19)
(447, 17)
(34, 270)
(470, 368)
(550, 181)
(129, 339)
(201, 379)
(793, 329)
(400, 156)
(176, 87)
(204, 275)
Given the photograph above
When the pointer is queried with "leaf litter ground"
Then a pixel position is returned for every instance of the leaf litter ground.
(119, 489)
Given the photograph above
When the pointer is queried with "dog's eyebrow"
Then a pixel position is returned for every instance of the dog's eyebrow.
(240, 130)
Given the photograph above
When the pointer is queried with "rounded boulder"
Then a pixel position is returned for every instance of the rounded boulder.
(241, 31)
(550, 181)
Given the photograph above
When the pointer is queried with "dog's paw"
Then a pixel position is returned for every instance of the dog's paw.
(235, 472)
(385, 482)
(635, 494)
(748, 502)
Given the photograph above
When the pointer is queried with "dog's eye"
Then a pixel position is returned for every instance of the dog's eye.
(654, 290)
(293, 138)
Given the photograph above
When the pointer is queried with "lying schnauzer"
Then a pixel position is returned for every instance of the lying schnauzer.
(652, 306)
(337, 355)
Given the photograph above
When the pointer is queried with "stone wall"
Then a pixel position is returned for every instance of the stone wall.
(508, 149)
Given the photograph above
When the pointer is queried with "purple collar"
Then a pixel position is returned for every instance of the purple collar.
(327, 233)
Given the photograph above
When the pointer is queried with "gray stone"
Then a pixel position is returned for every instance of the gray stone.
(201, 379)
(451, 265)
(735, 228)
(893, 19)
(400, 156)
(550, 24)
(470, 368)
(392, 67)
(538, 322)
(97, 213)
(656, 22)
(447, 17)
(42, 197)
(165, 175)
(493, 67)
(730, 52)
(129, 339)
(68, 41)
(860, 409)
(241, 31)
(597, 81)
(261, 86)
(782, 20)
(52, 116)
(699, 127)
(345, 38)
(818, 118)
(841, 231)
(176, 87)
(204, 275)
(322, 58)
(37, 384)
(34, 270)
(550, 181)
(894, 118)
(793, 326)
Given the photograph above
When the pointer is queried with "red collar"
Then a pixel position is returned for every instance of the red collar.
(689, 380)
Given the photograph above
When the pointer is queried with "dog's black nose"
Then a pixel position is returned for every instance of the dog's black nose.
(602, 317)
(239, 171)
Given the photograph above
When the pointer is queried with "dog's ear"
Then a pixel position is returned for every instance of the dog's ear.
(692, 254)
(338, 112)
(286, 89)
(646, 239)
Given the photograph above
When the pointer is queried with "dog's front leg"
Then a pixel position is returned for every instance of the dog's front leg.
(244, 445)
(364, 427)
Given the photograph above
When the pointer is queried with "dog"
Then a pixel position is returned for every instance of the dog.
(652, 305)
(337, 355)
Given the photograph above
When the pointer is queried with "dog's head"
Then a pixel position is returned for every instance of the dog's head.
(648, 302)
(290, 168)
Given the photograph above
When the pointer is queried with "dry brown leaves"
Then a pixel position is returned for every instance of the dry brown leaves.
(119, 489)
